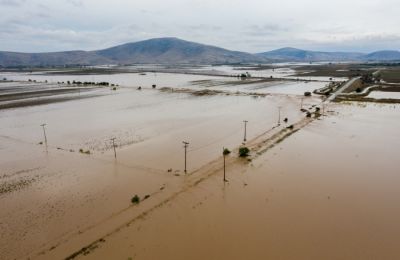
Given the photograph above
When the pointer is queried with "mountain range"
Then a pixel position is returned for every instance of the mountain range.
(293, 54)
(177, 51)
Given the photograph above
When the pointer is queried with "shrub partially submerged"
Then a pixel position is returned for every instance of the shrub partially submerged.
(135, 199)
(84, 152)
(244, 151)
(226, 151)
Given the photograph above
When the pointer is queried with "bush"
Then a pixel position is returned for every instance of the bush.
(244, 151)
(307, 93)
(83, 151)
(135, 199)
(226, 151)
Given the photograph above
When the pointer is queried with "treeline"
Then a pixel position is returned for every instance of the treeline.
(90, 83)
(79, 83)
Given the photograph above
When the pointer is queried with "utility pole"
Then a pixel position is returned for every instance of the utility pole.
(279, 115)
(223, 153)
(44, 133)
(245, 130)
(185, 145)
(115, 152)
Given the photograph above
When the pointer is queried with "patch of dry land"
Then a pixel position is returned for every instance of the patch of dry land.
(319, 187)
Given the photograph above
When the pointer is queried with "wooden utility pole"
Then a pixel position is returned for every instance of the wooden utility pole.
(279, 115)
(225, 152)
(44, 133)
(115, 152)
(245, 130)
(185, 145)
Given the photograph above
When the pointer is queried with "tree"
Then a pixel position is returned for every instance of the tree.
(135, 199)
(243, 151)
(226, 151)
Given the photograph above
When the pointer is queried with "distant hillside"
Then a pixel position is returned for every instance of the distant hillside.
(173, 50)
(177, 51)
(293, 54)
(9, 59)
(383, 56)
(161, 51)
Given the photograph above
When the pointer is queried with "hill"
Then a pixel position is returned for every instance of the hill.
(293, 54)
(383, 56)
(174, 50)
(177, 51)
(160, 51)
(14, 59)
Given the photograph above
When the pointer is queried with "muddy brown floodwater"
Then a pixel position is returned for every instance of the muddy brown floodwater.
(328, 192)
(313, 188)
(56, 199)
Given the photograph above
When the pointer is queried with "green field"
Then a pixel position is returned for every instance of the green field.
(391, 75)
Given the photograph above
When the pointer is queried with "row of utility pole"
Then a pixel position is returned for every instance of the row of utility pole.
(186, 144)
(45, 139)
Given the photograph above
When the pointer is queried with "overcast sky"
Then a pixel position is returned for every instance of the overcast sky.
(245, 25)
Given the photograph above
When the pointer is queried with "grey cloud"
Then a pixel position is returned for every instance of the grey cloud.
(63, 38)
(76, 3)
(204, 27)
(253, 25)
(264, 30)
(12, 2)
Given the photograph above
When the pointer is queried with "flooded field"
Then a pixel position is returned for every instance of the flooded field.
(318, 187)
(384, 94)
(170, 80)
(321, 194)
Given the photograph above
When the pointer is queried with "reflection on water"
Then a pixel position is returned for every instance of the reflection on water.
(232, 84)
(384, 94)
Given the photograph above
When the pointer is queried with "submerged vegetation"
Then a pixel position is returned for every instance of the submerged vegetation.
(86, 83)
(135, 199)
(244, 151)
(84, 152)
(226, 151)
